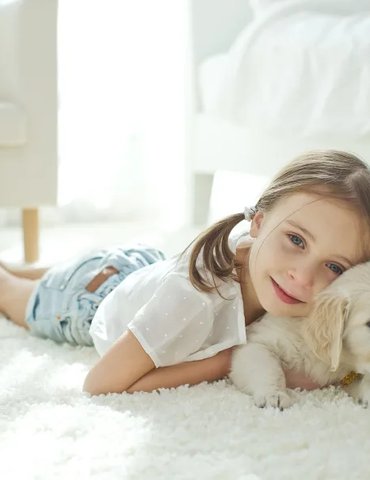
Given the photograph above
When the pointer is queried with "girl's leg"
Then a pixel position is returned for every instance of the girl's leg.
(14, 295)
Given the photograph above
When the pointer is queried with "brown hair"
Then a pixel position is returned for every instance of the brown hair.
(343, 176)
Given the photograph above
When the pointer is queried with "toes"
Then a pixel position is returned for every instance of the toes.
(280, 400)
(260, 401)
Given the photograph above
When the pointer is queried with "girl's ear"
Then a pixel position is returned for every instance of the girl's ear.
(256, 224)
(323, 329)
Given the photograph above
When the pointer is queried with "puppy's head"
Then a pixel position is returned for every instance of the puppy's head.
(340, 319)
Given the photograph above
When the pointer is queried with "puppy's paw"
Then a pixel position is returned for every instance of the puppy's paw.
(360, 391)
(363, 403)
(279, 399)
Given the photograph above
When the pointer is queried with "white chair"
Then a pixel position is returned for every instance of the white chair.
(28, 111)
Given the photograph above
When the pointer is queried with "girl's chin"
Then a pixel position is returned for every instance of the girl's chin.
(278, 305)
(285, 310)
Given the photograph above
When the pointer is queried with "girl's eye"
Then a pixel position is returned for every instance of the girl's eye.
(335, 268)
(299, 242)
(296, 240)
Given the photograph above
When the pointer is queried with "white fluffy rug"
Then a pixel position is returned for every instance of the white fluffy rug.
(50, 430)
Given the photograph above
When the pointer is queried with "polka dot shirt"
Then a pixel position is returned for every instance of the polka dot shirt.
(172, 320)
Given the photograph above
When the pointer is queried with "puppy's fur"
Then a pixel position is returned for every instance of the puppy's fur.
(333, 341)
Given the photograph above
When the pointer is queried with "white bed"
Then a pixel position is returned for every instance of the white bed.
(273, 78)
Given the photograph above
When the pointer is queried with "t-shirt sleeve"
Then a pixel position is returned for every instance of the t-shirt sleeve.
(174, 323)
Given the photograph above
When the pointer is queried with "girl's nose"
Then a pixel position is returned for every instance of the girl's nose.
(302, 276)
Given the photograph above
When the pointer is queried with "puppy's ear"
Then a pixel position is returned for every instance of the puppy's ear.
(323, 329)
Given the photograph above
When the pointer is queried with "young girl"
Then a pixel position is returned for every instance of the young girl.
(160, 322)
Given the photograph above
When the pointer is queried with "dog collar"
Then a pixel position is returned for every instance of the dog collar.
(350, 378)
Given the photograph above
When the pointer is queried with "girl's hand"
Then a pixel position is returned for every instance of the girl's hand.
(300, 380)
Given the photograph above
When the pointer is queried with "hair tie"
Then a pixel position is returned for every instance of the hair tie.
(249, 213)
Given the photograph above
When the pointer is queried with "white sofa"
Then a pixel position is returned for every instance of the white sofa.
(28, 111)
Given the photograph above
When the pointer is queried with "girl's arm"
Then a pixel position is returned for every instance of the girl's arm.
(191, 373)
(121, 366)
(296, 379)
(127, 367)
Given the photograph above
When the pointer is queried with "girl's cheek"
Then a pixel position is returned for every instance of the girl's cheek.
(323, 279)
(288, 247)
(326, 279)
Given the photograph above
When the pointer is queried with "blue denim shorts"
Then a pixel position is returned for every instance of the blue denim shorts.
(65, 300)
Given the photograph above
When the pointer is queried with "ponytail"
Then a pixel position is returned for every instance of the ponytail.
(217, 257)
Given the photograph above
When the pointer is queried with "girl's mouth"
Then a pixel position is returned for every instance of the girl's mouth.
(282, 295)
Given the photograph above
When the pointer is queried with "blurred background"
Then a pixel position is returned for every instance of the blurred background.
(170, 114)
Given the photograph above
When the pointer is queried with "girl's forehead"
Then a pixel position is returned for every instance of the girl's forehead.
(302, 203)
(316, 206)
(297, 201)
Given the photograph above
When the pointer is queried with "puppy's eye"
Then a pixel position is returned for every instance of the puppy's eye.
(368, 324)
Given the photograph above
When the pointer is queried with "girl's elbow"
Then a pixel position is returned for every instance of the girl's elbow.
(90, 387)
(94, 387)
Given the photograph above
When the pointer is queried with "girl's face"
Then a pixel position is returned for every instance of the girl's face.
(300, 246)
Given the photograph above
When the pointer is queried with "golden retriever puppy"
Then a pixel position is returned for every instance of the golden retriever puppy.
(328, 345)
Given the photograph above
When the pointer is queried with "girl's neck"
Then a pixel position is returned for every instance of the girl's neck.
(252, 307)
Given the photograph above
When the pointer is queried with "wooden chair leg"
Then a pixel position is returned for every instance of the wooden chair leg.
(30, 223)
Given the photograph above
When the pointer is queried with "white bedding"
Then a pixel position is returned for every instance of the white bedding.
(300, 67)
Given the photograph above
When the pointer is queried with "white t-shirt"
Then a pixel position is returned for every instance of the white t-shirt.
(172, 320)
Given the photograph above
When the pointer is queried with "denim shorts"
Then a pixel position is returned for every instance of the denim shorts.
(61, 307)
